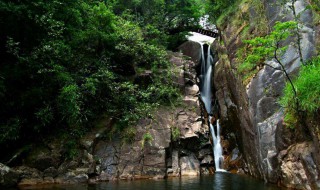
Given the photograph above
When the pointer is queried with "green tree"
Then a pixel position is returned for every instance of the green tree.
(216, 8)
(270, 46)
(308, 94)
(65, 63)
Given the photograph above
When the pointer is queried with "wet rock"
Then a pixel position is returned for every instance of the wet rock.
(108, 154)
(174, 168)
(204, 152)
(50, 172)
(29, 176)
(191, 49)
(234, 162)
(42, 158)
(73, 177)
(298, 169)
(8, 177)
(190, 165)
(207, 170)
(193, 90)
(207, 160)
(235, 154)
(91, 139)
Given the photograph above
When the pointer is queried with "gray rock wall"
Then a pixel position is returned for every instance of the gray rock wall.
(266, 88)
(272, 151)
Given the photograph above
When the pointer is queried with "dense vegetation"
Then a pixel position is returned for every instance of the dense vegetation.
(65, 63)
(220, 9)
(308, 93)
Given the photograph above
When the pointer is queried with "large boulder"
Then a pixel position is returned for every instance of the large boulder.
(298, 168)
(42, 158)
(8, 177)
(143, 157)
(190, 165)
(29, 176)
(191, 49)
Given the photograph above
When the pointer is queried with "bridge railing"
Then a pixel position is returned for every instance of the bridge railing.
(213, 34)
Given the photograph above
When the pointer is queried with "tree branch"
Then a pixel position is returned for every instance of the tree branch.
(272, 67)
(284, 70)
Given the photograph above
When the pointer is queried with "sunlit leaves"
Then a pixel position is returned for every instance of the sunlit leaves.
(267, 47)
(218, 7)
(308, 92)
(70, 103)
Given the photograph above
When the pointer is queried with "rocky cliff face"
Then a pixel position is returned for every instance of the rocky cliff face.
(272, 151)
(173, 142)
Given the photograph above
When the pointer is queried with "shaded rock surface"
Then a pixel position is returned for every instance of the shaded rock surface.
(298, 169)
(271, 151)
(8, 177)
(164, 155)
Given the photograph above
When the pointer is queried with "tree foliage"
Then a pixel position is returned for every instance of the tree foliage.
(217, 8)
(308, 94)
(271, 46)
(65, 62)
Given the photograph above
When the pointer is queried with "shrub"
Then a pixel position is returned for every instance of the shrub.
(308, 92)
(128, 135)
(175, 133)
(147, 138)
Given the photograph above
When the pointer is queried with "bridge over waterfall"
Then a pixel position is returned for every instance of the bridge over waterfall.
(210, 33)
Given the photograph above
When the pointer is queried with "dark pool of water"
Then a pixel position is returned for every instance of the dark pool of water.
(219, 181)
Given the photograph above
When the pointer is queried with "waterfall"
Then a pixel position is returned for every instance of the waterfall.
(206, 73)
(206, 96)
(217, 149)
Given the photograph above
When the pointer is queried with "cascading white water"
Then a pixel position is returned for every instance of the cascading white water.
(206, 96)
(217, 149)
(206, 72)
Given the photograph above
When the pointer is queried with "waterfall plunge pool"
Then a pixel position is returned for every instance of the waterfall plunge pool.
(218, 181)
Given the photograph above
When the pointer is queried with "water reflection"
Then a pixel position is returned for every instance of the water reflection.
(219, 181)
